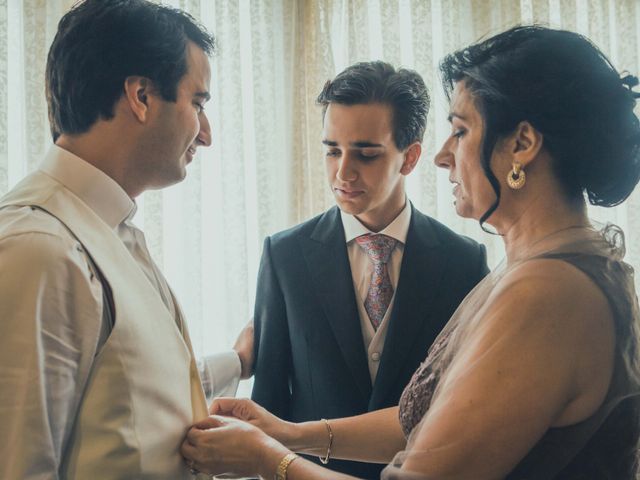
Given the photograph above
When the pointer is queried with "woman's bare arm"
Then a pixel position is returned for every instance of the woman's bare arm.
(542, 358)
(371, 437)
(222, 444)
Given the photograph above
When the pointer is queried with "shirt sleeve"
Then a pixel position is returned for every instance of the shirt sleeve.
(220, 374)
(51, 324)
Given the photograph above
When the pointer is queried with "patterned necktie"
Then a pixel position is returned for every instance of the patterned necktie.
(379, 248)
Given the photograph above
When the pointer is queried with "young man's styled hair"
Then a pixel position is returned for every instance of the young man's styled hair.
(378, 82)
(100, 43)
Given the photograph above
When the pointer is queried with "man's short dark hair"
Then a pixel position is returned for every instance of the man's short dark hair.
(100, 43)
(378, 82)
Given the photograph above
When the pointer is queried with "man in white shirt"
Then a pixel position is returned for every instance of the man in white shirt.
(349, 302)
(98, 378)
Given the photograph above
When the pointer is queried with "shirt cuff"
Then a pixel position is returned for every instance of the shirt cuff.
(221, 374)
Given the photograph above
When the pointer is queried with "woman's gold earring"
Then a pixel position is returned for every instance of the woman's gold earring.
(516, 177)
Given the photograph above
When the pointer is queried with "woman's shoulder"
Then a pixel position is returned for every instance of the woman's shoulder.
(542, 277)
(557, 321)
(551, 293)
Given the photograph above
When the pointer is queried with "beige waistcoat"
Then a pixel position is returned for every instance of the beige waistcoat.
(144, 390)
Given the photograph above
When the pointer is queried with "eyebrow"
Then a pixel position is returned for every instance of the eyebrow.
(205, 95)
(457, 115)
(359, 144)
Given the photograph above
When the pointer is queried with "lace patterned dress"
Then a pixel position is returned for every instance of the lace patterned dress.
(605, 445)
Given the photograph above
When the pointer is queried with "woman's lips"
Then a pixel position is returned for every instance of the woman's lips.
(190, 153)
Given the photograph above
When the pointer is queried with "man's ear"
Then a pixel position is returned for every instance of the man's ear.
(137, 91)
(411, 157)
(525, 143)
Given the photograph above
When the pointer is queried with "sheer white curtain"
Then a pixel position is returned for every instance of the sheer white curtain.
(265, 170)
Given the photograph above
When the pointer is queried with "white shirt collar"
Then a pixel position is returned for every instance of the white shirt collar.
(397, 229)
(94, 187)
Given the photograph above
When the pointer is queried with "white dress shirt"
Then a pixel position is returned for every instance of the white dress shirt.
(47, 278)
(361, 271)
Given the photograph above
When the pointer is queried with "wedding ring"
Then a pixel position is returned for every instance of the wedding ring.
(192, 469)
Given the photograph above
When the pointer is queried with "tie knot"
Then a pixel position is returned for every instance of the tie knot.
(378, 247)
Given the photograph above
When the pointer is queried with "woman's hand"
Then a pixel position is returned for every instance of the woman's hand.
(218, 445)
(251, 412)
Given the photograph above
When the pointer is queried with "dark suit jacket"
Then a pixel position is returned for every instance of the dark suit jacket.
(311, 362)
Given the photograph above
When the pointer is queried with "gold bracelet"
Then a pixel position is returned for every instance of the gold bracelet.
(325, 459)
(281, 471)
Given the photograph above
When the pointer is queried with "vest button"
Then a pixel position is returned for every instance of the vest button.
(375, 356)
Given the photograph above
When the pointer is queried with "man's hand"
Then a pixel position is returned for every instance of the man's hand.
(244, 349)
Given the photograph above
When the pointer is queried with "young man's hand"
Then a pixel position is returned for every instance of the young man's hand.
(244, 349)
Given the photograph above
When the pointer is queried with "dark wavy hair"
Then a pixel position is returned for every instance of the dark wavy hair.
(99, 43)
(378, 82)
(568, 90)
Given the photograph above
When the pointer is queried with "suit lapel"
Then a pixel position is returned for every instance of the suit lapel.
(422, 267)
(325, 252)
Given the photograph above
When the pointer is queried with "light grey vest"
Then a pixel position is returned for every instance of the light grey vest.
(144, 390)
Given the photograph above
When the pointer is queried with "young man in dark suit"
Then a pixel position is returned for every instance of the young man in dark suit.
(349, 302)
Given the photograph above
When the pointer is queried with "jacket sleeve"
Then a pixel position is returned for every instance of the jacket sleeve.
(271, 387)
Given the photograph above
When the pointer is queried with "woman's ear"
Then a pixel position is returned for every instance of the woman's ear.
(525, 143)
(136, 91)
(411, 157)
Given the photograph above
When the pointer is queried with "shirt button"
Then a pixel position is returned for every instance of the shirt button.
(375, 356)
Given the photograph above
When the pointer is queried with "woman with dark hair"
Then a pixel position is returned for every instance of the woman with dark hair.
(537, 374)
